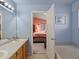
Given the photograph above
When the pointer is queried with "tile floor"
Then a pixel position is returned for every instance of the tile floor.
(38, 48)
(39, 51)
(38, 56)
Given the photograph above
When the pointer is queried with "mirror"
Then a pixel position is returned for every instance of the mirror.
(8, 22)
(7, 26)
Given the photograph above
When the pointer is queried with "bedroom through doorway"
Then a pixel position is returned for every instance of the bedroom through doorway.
(39, 32)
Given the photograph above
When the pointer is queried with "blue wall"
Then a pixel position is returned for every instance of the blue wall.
(8, 20)
(24, 18)
(64, 32)
(75, 29)
(24, 23)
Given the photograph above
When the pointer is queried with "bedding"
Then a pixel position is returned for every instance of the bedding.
(39, 38)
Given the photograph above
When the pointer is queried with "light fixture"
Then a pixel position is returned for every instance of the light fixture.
(6, 4)
(9, 6)
(2, 0)
(12, 8)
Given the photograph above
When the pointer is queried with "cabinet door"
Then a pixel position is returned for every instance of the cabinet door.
(19, 54)
(25, 50)
(13, 57)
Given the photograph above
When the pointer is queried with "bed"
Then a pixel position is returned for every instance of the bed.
(39, 38)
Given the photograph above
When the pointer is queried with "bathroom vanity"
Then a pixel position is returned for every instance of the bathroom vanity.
(17, 49)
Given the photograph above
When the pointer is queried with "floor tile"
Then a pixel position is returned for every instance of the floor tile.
(39, 48)
(39, 51)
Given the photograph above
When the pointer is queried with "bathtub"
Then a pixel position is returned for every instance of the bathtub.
(67, 52)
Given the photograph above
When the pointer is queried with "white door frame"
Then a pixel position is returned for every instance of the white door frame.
(1, 25)
(32, 25)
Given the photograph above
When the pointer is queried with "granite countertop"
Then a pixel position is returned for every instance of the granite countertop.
(12, 47)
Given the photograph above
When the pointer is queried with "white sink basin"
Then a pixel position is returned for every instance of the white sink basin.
(3, 54)
(16, 41)
(3, 41)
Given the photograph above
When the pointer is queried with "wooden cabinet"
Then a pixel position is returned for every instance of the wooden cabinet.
(25, 49)
(19, 54)
(13, 57)
(22, 52)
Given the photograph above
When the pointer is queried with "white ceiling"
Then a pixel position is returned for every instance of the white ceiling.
(23, 2)
(40, 15)
(65, 1)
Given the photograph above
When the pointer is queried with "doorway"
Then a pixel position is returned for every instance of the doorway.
(50, 36)
(39, 32)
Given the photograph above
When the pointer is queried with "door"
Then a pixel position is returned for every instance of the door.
(51, 33)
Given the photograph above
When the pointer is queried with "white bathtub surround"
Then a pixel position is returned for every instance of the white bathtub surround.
(67, 52)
